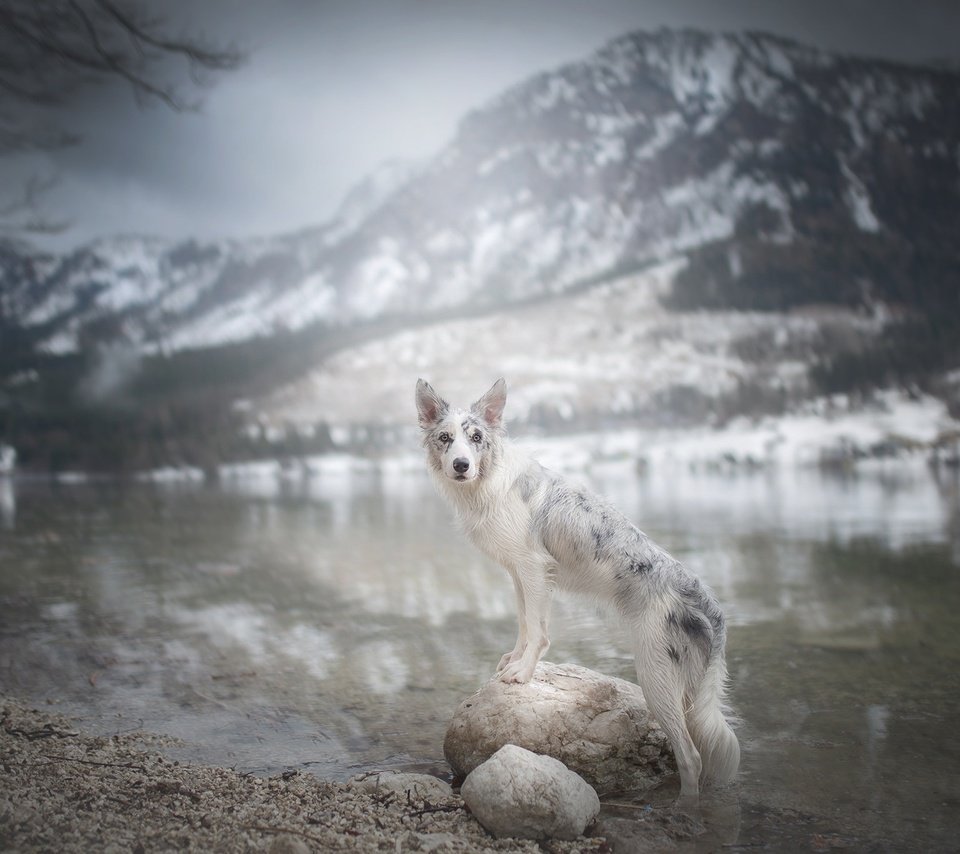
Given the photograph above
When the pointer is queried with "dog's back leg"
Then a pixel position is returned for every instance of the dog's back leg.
(661, 681)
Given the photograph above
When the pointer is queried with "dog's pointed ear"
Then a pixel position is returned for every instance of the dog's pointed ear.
(430, 406)
(490, 406)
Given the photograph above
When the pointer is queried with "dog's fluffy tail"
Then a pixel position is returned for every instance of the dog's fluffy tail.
(709, 726)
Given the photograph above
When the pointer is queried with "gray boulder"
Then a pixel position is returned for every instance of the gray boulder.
(596, 725)
(517, 793)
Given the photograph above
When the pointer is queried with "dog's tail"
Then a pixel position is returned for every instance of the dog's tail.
(708, 720)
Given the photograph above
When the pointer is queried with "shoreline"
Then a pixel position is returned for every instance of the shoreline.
(64, 790)
(831, 434)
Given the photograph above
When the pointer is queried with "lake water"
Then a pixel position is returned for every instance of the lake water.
(334, 625)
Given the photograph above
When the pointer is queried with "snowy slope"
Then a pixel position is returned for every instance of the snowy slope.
(614, 352)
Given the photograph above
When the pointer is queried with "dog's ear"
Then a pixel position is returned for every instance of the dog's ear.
(430, 406)
(490, 406)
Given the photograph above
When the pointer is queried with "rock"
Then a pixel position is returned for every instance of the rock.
(518, 793)
(596, 725)
(434, 841)
(287, 844)
(420, 786)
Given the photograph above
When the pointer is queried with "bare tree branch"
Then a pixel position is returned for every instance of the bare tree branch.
(204, 56)
(19, 214)
(52, 50)
(110, 61)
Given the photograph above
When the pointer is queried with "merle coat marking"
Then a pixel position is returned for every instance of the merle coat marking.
(549, 535)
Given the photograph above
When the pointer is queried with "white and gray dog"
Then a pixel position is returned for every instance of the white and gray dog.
(550, 535)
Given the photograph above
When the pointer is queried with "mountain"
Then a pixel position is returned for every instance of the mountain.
(163, 295)
(792, 176)
(769, 176)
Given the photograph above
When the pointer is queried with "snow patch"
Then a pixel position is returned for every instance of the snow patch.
(858, 201)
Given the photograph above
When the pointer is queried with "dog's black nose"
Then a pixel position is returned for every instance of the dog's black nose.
(461, 464)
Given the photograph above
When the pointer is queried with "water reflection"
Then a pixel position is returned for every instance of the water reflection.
(335, 622)
(8, 504)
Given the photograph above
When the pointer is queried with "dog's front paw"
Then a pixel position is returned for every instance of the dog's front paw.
(518, 671)
(507, 660)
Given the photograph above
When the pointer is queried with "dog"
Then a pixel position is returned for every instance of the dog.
(551, 535)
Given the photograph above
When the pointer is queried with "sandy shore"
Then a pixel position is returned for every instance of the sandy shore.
(63, 790)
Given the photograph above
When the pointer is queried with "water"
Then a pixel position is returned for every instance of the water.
(334, 625)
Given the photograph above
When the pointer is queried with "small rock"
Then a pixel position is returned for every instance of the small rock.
(596, 725)
(520, 794)
(420, 786)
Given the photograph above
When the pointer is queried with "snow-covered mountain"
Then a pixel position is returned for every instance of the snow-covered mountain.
(679, 229)
(784, 174)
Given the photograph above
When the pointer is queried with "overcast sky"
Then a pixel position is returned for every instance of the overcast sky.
(332, 89)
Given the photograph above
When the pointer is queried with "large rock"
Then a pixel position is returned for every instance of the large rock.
(596, 725)
(520, 794)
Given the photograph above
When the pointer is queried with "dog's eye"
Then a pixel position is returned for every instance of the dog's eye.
(478, 437)
(444, 437)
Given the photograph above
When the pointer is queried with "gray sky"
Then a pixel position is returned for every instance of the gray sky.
(334, 88)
